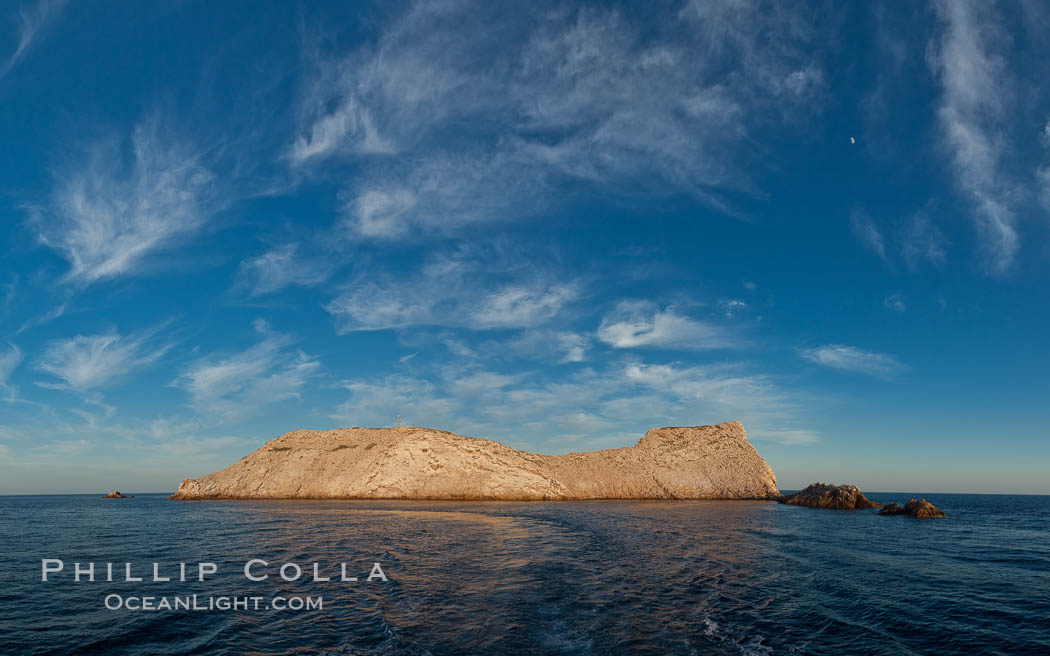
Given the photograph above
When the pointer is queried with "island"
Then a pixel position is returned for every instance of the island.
(696, 462)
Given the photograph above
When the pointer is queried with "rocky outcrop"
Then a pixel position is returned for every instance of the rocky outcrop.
(701, 462)
(117, 495)
(825, 495)
(917, 508)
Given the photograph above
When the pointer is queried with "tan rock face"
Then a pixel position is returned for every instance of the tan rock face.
(701, 462)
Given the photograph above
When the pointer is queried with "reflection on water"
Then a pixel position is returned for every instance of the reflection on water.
(604, 577)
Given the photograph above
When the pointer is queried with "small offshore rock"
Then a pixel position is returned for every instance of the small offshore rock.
(825, 495)
(117, 495)
(922, 509)
(917, 508)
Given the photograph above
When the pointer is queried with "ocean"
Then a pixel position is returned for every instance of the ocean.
(601, 577)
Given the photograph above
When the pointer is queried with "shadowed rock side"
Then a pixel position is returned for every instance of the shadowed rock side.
(917, 508)
(702, 462)
(823, 495)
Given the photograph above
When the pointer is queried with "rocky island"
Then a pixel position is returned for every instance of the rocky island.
(698, 462)
(836, 497)
(917, 508)
(849, 497)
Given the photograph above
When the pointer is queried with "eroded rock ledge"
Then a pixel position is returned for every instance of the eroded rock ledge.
(700, 462)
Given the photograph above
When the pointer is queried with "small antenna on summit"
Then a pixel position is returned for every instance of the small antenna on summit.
(399, 421)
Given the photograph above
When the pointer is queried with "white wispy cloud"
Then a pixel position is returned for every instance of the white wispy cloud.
(88, 362)
(922, 241)
(373, 306)
(1042, 173)
(868, 233)
(769, 411)
(9, 361)
(514, 306)
(895, 302)
(975, 89)
(349, 125)
(54, 442)
(851, 358)
(455, 291)
(189, 438)
(378, 403)
(233, 386)
(639, 324)
(32, 20)
(55, 312)
(1042, 177)
(10, 292)
(561, 346)
(278, 268)
(733, 307)
(916, 240)
(592, 409)
(574, 95)
(118, 206)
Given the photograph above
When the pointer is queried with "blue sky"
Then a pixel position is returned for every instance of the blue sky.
(553, 225)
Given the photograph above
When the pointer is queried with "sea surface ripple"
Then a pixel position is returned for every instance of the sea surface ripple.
(602, 577)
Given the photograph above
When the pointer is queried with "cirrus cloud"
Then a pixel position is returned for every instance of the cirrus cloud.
(974, 106)
(124, 202)
(278, 268)
(851, 358)
(89, 362)
(579, 97)
(8, 363)
(640, 324)
(232, 386)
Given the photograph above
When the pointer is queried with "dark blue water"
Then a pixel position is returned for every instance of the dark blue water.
(535, 578)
